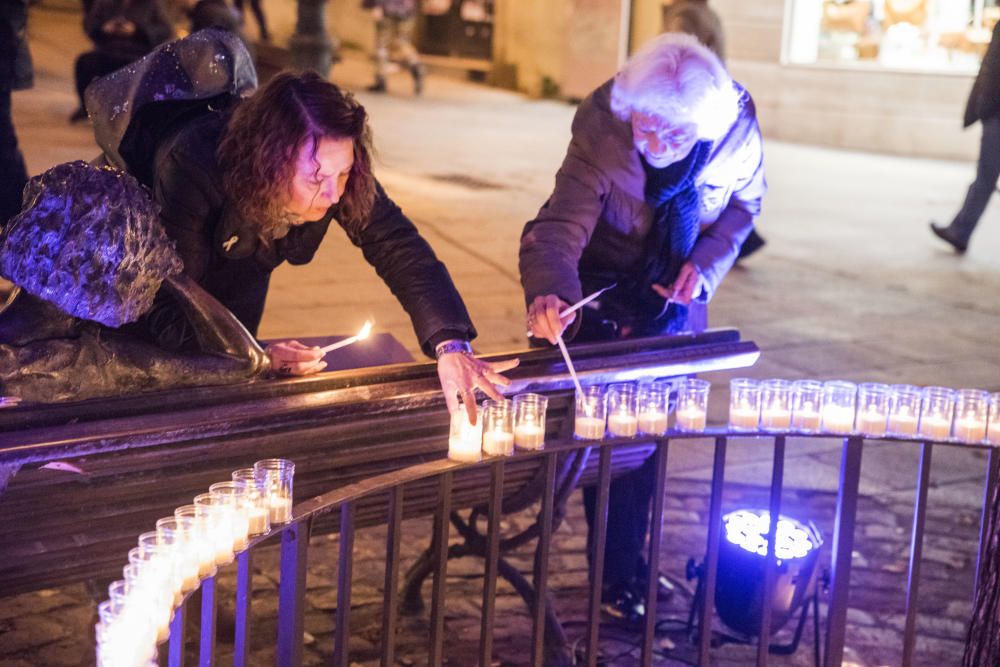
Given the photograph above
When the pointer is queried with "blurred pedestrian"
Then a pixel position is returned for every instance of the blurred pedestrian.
(395, 21)
(258, 14)
(660, 185)
(122, 31)
(16, 73)
(983, 106)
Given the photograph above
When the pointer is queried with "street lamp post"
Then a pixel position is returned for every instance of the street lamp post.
(311, 46)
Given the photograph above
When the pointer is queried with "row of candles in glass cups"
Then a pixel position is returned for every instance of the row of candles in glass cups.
(937, 413)
(171, 560)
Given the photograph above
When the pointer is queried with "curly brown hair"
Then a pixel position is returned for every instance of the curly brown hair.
(262, 139)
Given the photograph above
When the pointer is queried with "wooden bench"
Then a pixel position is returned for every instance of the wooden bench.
(142, 456)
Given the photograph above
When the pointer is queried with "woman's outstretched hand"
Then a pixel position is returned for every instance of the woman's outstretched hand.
(543, 317)
(461, 374)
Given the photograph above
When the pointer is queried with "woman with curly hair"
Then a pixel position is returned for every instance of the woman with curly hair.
(246, 188)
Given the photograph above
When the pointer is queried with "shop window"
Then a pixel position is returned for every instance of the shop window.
(918, 35)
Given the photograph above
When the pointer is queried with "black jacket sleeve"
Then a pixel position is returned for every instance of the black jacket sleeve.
(409, 267)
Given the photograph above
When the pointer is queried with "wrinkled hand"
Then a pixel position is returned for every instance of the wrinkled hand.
(543, 317)
(290, 357)
(689, 283)
(461, 374)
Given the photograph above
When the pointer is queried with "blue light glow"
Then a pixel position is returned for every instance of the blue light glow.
(748, 530)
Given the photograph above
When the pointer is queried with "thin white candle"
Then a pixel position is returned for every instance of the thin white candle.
(366, 329)
(569, 364)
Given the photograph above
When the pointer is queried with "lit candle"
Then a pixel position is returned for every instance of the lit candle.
(872, 422)
(623, 425)
(280, 509)
(691, 418)
(529, 436)
(589, 428)
(653, 423)
(744, 417)
(258, 519)
(807, 417)
(775, 419)
(970, 428)
(498, 443)
(903, 423)
(935, 426)
(838, 419)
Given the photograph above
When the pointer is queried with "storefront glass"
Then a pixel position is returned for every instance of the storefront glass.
(916, 35)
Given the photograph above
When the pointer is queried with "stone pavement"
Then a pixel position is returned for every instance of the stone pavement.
(851, 285)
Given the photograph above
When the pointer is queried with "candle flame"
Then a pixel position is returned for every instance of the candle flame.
(366, 329)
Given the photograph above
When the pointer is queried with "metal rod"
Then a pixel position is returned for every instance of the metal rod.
(391, 600)
(244, 594)
(541, 578)
(176, 646)
(206, 645)
(916, 551)
(770, 559)
(597, 557)
(292, 593)
(992, 467)
(345, 562)
(843, 546)
(441, 526)
(492, 557)
(653, 560)
(712, 552)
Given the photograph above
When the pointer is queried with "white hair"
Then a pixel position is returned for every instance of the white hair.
(674, 76)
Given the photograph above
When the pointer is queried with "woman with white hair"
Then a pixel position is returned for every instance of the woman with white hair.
(660, 186)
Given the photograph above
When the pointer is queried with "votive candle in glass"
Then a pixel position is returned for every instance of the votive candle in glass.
(259, 512)
(873, 409)
(201, 539)
(839, 402)
(275, 478)
(465, 439)
(775, 405)
(972, 410)
(591, 413)
(529, 421)
(498, 428)
(744, 404)
(219, 517)
(653, 407)
(993, 432)
(937, 407)
(807, 398)
(183, 549)
(904, 409)
(692, 405)
(235, 496)
(623, 417)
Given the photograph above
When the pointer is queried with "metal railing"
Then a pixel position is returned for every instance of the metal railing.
(548, 641)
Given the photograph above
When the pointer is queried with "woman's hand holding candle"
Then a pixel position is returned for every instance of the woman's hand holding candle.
(293, 358)
(544, 320)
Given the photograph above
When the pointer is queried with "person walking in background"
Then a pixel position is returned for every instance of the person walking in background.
(122, 31)
(16, 73)
(394, 24)
(983, 106)
(258, 14)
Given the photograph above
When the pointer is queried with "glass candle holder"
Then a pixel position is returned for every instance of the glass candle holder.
(139, 624)
(183, 550)
(258, 512)
(218, 516)
(653, 405)
(937, 407)
(807, 398)
(164, 569)
(873, 409)
(202, 544)
(904, 410)
(692, 405)
(465, 440)
(149, 594)
(274, 479)
(993, 430)
(972, 411)
(623, 409)
(498, 428)
(839, 403)
(591, 413)
(234, 496)
(744, 404)
(775, 405)
(529, 421)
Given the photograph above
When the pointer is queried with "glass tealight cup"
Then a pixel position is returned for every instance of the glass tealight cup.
(993, 430)
(274, 478)
(654, 407)
(623, 417)
(873, 409)
(202, 541)
(591, 413)
(807, 399)
(234, 495)
(465, 439)
(219, 517)
(839, 406)
(744, 404)
(691, 414)
(937, 408)
(183, 549)
(529, 421)
(775, 405)
(904, 410)
(972, 410)
(258, 511)
(498, 428)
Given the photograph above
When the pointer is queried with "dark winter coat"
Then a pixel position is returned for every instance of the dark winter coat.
(695, 17)
(597, 218)
(222, 252)
(151, 27)
(16, 72)
(984, 100)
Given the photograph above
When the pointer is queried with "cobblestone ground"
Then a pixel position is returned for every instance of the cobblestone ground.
(54, 627)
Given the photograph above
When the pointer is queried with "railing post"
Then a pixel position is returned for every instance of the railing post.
(492, 558)
(391, 594)
(177, 637)
(206, 646)
(655, 540)
(541, 578)
(441, 527)
(992, 468)
(597, 557)
(916, 552)
(770, 558)
(843, 546)
(244, 594)
(292, 593)
(345, 562)
(712, 552)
